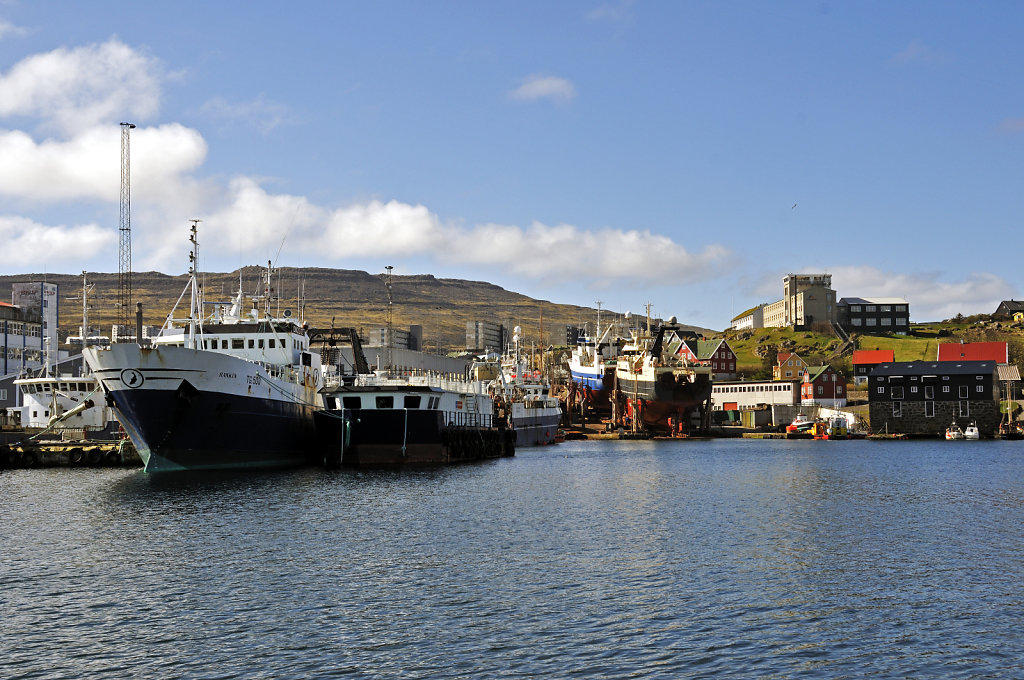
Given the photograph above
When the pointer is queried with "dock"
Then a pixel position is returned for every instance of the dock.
(59, 453)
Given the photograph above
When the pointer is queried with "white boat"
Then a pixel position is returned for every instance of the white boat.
(954, 433)
(65, 405)
(971, 431)
(238, 390)
(524, 399)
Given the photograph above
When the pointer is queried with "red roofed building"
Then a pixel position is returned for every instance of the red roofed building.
(974, 351)
(864, 360)
(789, 366)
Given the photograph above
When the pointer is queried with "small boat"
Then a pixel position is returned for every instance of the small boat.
(1010, 431)
(953, 432)
(802, 427)
(971, 432)
(837, 428)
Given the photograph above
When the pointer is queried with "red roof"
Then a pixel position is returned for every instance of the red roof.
(974, 351)
(873, 356)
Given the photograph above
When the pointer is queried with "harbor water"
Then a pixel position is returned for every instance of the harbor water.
(726, 558)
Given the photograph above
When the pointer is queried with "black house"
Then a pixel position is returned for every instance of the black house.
(874, 316)
(925, 397)
(1007, 308)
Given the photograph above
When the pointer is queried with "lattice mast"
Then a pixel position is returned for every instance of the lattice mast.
(389, 341)
(124, 302)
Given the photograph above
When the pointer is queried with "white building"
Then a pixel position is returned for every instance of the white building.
(740, 395)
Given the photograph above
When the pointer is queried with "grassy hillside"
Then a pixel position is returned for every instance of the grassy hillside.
(348, 297)
(756, 349)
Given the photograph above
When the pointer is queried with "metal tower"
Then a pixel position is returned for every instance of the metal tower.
(390, 340)
(124, 312)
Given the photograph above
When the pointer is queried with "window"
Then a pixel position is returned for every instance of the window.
(252, 344)
(886, 308)
(901, 308)
(965, 409)
(412, 401)
(871, 322)
(881, 390)
(223, 343)
(260, 345)
(271, 343)
(979, 377)
(897, 409)
(886, 322)
(897, 391)
(352, 402)
(856, 322)
(789, 374)
(979, 388)
(870, 308)
(945, 388)
(854, 308)
(386, 402)
(963, 391)
(901, 321)
(929, 391)
(839, 389)
(237, 343)
(913, 389)
(821, 389)
(929, 409)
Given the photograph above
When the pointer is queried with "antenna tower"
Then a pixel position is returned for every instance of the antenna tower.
(124, 312)
(390, 342)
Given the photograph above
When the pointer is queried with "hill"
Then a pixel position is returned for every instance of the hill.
(342, 296)
(756, 350)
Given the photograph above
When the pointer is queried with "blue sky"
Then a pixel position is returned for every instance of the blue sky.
(682, 154)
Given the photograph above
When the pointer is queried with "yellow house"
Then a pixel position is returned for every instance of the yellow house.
(789, 367)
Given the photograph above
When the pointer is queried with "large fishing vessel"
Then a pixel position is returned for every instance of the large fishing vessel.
(523, 398)
(385, 420)
(592, 363)
(237, 390)
(661, 391)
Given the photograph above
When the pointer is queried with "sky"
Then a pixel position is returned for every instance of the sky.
(681, 154)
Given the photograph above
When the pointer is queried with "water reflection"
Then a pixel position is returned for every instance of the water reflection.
(602, 559)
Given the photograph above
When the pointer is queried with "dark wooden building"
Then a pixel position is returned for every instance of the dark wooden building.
(1007, 308)
(874, 316)
(926, 397)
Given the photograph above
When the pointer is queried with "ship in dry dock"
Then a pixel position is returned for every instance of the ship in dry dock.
(658, 390)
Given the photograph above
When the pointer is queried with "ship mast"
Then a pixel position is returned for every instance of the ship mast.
(195, 311)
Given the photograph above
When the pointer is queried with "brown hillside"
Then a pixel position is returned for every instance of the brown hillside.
(349, 297)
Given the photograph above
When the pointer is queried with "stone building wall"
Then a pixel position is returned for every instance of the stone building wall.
(984, 412)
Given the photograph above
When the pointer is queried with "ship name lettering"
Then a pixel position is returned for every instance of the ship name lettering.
(228, 375)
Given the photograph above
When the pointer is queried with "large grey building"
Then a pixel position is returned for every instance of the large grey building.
(485, 335)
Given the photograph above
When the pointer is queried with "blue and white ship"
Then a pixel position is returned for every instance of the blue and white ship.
(236, 391)
(592, 362)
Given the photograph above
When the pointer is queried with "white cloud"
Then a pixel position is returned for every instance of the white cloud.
(89, 164)
(539, 86)
(72, 90)
(28, 244)
(7, 28)
(257, 113)
(930, 297)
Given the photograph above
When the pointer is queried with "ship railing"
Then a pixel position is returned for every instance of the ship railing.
(467, 419)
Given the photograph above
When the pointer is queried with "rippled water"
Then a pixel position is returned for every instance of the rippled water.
(589, 559)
